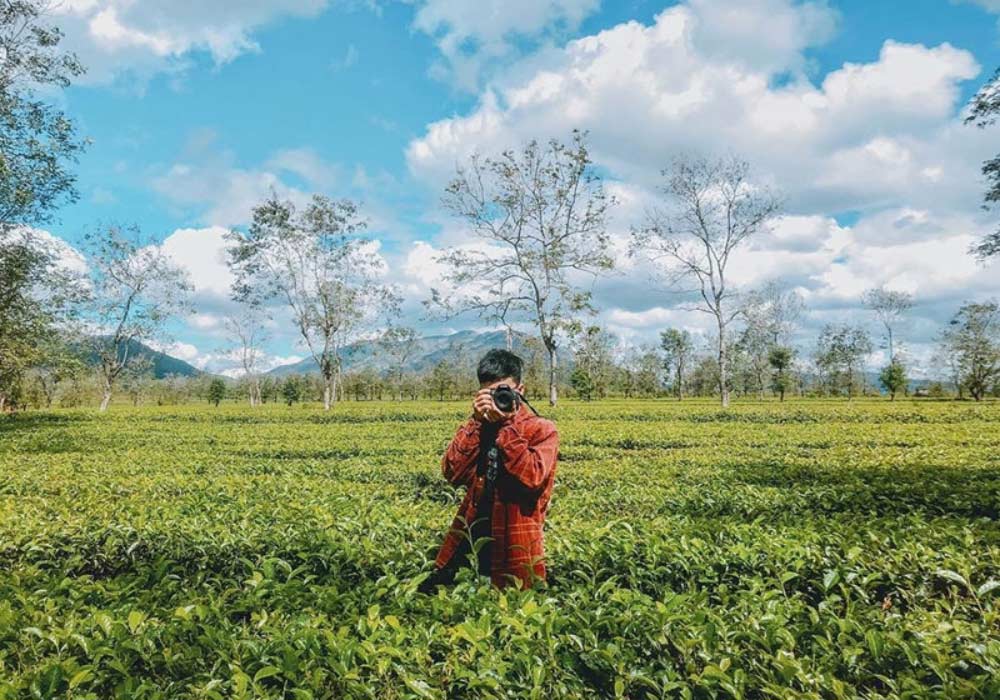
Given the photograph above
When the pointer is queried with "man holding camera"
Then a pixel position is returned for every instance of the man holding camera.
(506, 455)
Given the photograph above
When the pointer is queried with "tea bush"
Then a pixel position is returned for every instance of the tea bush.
(800, 550)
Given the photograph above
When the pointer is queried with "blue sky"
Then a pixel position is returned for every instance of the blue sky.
(850, 108)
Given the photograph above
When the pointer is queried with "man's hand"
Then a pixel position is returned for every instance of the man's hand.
(484, 410)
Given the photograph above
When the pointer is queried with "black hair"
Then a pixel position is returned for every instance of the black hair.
(498, 364)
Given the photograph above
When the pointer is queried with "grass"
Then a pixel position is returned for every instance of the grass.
(813, 549)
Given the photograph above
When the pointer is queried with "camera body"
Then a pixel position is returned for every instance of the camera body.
(505, 398)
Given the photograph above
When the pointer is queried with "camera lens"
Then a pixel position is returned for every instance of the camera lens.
(505, 399)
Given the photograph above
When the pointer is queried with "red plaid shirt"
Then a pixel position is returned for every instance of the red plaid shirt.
(529, 446)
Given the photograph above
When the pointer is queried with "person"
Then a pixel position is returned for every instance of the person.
(507, 459)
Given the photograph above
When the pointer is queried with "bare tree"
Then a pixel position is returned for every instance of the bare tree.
(889, 307)
(778, 310)
(314, 261)
(770, 315)
(593, 357)
(248, 332)
(399, 343)
(541, 215)
(135, 290)
(714, 209)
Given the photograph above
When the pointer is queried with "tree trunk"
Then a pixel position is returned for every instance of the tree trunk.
(723, 367)
(553, 391)
(106, 397)
(328, 388)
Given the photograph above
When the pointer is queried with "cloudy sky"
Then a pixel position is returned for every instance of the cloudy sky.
(851, 109)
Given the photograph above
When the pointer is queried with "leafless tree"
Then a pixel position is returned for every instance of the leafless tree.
(248, 332)
(315, 261)
(889, 307)
(135, 290)
(769, 315)
(538, 217)
(713, 208)
(399, 343)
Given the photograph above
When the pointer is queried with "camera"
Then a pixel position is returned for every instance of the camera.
(505, 398)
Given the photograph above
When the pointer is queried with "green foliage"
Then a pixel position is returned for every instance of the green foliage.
(984, 108)
(780, 359)
(893, 378)
(37, 141)
(800, 550)
(216, 391)
(291, 390)
(972, 342)
(38, 299)
(840, 353)
(678, 349)
(582, 384)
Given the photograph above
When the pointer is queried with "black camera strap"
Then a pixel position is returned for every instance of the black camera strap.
(524, 398)
(487, 466)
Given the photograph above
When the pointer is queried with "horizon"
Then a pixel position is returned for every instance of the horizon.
(850, 111)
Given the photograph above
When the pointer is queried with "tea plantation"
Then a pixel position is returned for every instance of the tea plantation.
(801, 550)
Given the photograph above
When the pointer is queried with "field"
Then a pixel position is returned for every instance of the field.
(800, 550)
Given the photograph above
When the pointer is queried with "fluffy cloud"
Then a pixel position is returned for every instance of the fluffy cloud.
(880, 141)
(227, 194)
(648, 93)
(202, 253)
(733, 30)
(470, 34)
(140, 37)
(209, 181)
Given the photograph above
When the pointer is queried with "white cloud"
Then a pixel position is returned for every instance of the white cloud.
(649, 93)
(227, 194)
(182, 351)
(141, 37)
(882, 140)
(471, 34)
(205, 321)
(65, 256)
(202, 254)
(734, 30)
(307, 165)
(209, 185)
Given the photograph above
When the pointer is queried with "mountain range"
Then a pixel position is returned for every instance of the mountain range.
(466, 346)
(162, 364)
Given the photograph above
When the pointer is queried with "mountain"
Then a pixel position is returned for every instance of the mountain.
(467, 346)
(163, 365)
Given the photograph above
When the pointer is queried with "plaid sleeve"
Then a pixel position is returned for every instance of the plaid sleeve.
(529, 457)
(459, 462)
